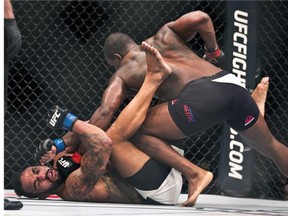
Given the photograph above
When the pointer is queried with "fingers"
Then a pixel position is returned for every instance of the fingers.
(45, 152)
(46, 158)
(265, 80)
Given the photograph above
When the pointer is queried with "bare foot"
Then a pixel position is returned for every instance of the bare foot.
(155, 62)
(196, 186)
(260, 93)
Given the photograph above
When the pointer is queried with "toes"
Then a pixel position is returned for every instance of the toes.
(188, 204)
(265, 79)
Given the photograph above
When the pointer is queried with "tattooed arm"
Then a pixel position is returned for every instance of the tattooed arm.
(97, 149)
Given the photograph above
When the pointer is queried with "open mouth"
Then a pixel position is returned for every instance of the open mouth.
(51, 175)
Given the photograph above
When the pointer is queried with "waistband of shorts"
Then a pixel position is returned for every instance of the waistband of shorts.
(213, 76)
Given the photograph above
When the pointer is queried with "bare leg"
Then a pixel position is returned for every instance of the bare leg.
(260, 93)
(127, 160)
(197, 178)
(260, 138)
(157, 71)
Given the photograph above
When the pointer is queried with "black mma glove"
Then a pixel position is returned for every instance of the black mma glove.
(216, 57)
(61, 118)
(46, 145)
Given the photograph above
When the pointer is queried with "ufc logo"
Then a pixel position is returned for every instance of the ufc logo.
(63, 162)
(54, 118)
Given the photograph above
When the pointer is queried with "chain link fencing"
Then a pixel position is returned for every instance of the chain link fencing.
(61, 62)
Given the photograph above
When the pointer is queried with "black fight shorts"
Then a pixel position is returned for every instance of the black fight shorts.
(208, 101)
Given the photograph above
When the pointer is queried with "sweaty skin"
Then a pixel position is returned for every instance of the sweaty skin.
(170, 40)
(260, 94)
(196, 183)
(89, 181)
(108, 186)
(186, 66)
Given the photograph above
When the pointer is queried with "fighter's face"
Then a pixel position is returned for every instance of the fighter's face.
(40, 179)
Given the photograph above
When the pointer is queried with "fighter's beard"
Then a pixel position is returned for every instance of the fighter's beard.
(56, 183)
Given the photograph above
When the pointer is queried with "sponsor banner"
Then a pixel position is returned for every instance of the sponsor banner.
(236, 165)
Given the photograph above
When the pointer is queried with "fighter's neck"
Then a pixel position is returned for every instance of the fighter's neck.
(60, 191)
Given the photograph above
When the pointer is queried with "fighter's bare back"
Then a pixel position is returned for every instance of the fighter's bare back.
(177, 54)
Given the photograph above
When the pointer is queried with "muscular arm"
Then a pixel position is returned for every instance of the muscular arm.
(97, 146)
(112, 98)
(188, 25)
(133, 115)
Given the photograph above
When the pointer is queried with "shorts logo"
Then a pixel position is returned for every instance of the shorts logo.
(248, 120)
(188, 113)
(174, 101)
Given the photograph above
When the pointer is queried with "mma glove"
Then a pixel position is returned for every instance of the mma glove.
(45, 146)
(61, 118)
(216, 57)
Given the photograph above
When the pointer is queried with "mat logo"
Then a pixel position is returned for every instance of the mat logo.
(63, 162)
(54, 118)
(235, 156)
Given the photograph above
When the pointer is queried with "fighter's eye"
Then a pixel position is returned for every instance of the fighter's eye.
(36, 183)
(35, 170)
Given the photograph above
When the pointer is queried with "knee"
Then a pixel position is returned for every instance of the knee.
(143, 142)
(143, 130)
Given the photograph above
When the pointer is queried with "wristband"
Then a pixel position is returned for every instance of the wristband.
(60, 145)
(212, 54)
(69, 121)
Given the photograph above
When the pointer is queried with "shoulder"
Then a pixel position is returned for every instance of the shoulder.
(118, 78)
(164, 37)
(131, 73)
(163, 31)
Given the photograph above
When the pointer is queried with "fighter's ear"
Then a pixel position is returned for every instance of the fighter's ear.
(43, 196)
(117, 60)
(117, 57)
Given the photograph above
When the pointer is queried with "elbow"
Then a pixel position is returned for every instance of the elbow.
(106, 111)
(108, 149)
(102, 116)
(201, 17)
(109, 143)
